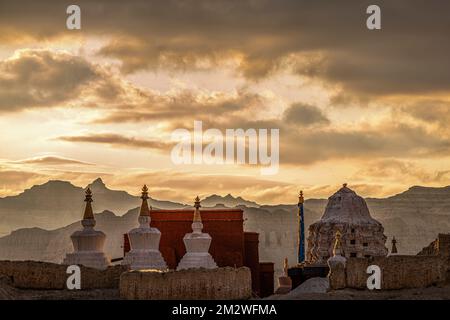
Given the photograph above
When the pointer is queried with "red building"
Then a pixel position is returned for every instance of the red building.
(230, 245)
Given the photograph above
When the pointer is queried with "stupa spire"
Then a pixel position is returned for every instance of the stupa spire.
(88, 213)
(337, 244)
(394, 246)
(197, 244)
(284, 282)
(145, 211)
(337, 262)
(88, 243)
(197, 215)
(144, 241)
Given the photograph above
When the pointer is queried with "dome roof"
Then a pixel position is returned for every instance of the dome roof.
(345, 206)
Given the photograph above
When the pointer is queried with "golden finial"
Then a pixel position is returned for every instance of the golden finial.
(144, 195)
(88, 197)
(88, 213)
(197, 216)
(197, 202)
(300, 197)
(337, 244)
(144, 206)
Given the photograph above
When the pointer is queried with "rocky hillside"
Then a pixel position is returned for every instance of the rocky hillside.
(58, 203)
(414, 217)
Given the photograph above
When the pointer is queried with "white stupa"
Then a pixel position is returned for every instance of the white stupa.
(88, 243)
(362, 235)
(144, 242)
(197, 245)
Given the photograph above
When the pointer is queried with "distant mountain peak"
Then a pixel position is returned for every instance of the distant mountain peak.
(421, 193)
(52, 185)
(57, 182)
(228, 201)
(97, 185)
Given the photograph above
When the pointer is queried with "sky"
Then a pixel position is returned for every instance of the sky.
(365, 107)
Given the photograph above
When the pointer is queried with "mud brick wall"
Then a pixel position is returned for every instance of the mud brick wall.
(43, 275)
(441, 247)
(444, 251)
(397, 272)
(222, 283)
(444, 245)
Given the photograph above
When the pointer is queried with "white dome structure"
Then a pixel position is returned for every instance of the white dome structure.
(144, 242)
(197, 245)
(88, 243)
(348, 214)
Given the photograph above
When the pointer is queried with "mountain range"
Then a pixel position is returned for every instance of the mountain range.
(43, 217)
(55, 204)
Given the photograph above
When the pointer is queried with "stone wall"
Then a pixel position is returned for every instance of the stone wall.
(441, 247)
(222, 283)
(444, 244)
(397, 272)
(44, 275)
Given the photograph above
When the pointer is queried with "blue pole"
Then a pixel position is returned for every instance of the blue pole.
(301, 230)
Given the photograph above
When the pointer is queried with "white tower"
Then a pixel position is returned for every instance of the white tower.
(197, 245)
(88, 243)
(144, 242)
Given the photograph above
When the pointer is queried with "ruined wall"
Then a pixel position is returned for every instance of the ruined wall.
(222, 283)
(44, 275)
(397, 272)
(441, 247)
(444, 251)
(444, 245)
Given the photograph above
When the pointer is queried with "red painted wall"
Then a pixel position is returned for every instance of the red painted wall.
(230, 245)
(251, 258)
(225, 226)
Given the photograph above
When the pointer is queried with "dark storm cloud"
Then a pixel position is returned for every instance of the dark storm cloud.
(409, 55)
(308, 145)
(304, 115)
(185, 105)
(41, 78)
(35, 78)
